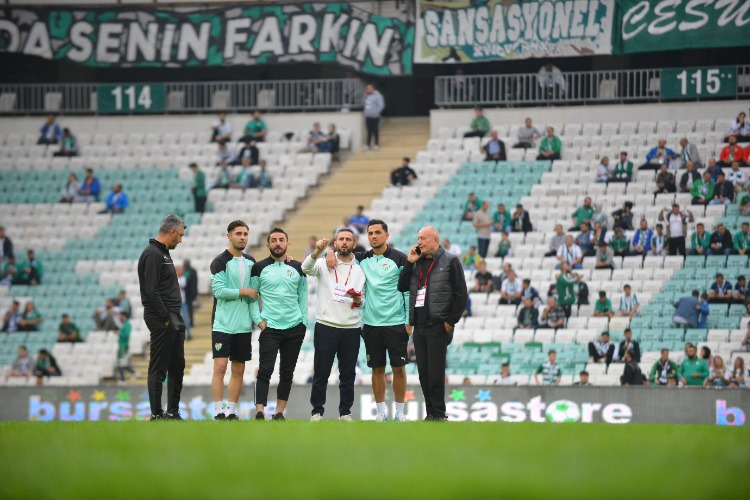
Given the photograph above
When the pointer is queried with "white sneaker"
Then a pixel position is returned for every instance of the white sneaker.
(365, 148)
(317, 417)
(381, 418)
(376, 148)
(346, 418)
(400, 418)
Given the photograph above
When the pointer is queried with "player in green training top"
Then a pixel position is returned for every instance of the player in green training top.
(231, 330)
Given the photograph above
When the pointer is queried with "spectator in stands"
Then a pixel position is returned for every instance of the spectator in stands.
(558, 240)
(472, 259)
(480, 125)
(182, 282)
(628, 303)
(225, 155)
(603, 306)
(703, 311)
(403, 175)
(570, 254)
(582, 214)
(604, 257)
(723, 192)
(657, 156)
(551, 372)
(620, 243)
(6, 246)
(69, 194)
(741, 292)
(311, 241)
(12, 318)
(359, 220)
(603, 172)
(585, 240)
(482, 279)
(738, 375)
(721, 290)
(249, 154)
(30, 319)
(731, 152)
(261, 178)
(315, 138)
(642, 239)
(664, 371)
(32, 270)
(527, 135)
(623, 217)
(11, 273)
(255, 129)
(623, 171)
(743, 201)
(600, 216)
(23, 365)
(122, 302)
(221, 130)
(665, 182)
(677, 222)
(117, 201)
(244, 178)
(451, 248)
(494, 150)
(472, 205)
(107, 317)
(700, 240)
(504, 378)
(718, 375)
(628, 344)
(224, 179)
(68, 145)
(90, 189)
(739, 128)
(688, 177)
(566, 287)
(599, 234)
(721, 241)
(529, 292)
(687, 310)
(331, 142)
(191, 292)
(703, 190)
(746, 155)
(553, 316)
(51, 133)
(705, 354)
(741, 239)
(123, 345)
(551, 81)
(373, 109)
(504, 247)
(465, 314)
(602, 349)
(504, 271)
(520, 220)
(68, 331)
(511, 291)
(46, 366)
(528, 316)
(736, 177)
(551, 146)
(746, 341)
(688, 153)
(632, 374)
(198, 188)
(714, 169)
(583, 380)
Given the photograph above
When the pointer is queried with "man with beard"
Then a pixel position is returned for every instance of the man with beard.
(282, 320)
(337, 321)
(232, 328)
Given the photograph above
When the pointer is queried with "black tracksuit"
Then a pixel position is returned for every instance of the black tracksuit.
(160, 296)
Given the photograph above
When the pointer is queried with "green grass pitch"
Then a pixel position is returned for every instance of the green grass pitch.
(331, 459)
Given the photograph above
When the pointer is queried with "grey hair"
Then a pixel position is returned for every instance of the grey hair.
(345, 230)
(170, 222)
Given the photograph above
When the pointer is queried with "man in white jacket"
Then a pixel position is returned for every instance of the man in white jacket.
(337, 321)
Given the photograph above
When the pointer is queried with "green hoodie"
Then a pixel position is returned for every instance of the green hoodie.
(231, 313)
(385, 305)
(283, 293)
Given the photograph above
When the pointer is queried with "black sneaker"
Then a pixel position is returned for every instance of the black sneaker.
(260, 416)
(233, 416)
(173, 416)
(428, 418)
(278, 416)
(220, 416)
(158, 416)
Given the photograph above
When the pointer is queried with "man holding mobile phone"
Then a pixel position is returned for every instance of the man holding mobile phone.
(437, 298)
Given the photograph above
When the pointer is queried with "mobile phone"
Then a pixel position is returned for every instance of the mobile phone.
(417, 250)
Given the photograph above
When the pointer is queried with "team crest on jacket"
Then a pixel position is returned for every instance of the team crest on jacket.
(386, 266)
(217, 346)
(289, 273)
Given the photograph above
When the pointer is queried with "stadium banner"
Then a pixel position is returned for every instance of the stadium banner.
(486, 30)
(334, 32)
(613, 405)
(677, 25)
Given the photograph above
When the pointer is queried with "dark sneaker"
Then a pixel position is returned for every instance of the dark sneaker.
(220, 416)
(428, 418)
(279, 416)
(158, 416)
(233, 416)
(260, 416)
(173, 416)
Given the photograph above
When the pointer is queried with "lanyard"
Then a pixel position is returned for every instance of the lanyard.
(347, 276)
(427, 277)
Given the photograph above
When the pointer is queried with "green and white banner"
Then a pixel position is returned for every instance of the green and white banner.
(246, 35)
(680, 24)
(483, 30)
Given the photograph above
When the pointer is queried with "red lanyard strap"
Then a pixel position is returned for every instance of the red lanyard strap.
(347, 276)
(427, 277)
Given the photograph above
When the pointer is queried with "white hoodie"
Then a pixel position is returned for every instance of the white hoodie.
(331, 312)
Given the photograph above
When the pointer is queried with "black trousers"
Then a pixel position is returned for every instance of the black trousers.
(167, 358)
(431, 348)
(483, 245)
(677, 246)
(474, 133)
(594, 354)
(372, 130)
(342, 343)
(287, 344)
(555, 156)
(200, 204)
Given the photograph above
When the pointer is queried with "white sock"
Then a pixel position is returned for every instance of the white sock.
(381, 408)
(218, 407)
(231, 407)
(399, 408)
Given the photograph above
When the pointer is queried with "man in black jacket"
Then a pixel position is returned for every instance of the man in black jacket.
(632, 374)
(435, 280)
(628, 344)
(6, 246)
(160, 296)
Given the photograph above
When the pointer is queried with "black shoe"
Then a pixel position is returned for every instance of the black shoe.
(428, 418)
(260, 416)
(220, 416)
(278, 416)
(158, 416)
(173, 416)
(233, 416)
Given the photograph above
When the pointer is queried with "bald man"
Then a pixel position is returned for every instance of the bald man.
(435, 280)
